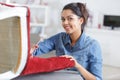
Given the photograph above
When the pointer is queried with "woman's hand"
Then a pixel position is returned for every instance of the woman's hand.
(33, 48)
(72, 58)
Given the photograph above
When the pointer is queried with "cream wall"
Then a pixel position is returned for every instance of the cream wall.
(97, 8)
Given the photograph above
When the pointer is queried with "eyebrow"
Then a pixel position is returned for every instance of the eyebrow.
(67, 16)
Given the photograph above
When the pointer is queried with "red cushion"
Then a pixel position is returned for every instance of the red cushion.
(40, 65)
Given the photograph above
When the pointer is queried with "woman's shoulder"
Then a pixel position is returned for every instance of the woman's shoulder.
(91, 40)
(93, 45)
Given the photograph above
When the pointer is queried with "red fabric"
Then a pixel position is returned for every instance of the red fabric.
(40, 65)
(6, 4)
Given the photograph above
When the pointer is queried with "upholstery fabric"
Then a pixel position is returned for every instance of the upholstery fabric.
(42, 65)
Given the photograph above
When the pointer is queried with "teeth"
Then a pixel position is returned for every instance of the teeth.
(67, 27)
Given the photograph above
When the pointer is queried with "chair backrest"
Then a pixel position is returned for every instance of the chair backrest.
(14, 40)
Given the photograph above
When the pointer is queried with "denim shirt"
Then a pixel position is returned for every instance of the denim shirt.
(86, 51)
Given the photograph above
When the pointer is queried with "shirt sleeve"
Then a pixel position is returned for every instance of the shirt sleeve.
(46, 46)
(95, 60)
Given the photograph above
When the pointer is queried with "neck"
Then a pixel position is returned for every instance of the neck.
(74, 37)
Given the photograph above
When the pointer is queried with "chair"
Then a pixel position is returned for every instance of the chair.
(14, 40)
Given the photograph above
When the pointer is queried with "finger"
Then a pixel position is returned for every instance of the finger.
(64, 56)
(31, 56)
(67, 56)
(36, 46)
(72, 59)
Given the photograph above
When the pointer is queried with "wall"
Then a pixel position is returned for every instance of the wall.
(101, 7)
(97, 8)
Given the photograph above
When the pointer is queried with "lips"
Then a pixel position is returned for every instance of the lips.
(67, 28)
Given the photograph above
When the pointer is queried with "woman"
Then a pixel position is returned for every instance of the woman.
(74, 43)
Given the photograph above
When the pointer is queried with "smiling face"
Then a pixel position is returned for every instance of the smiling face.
(71, 22)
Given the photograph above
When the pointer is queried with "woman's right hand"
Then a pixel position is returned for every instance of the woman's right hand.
(33, 48)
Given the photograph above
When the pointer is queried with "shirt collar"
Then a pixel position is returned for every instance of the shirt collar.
(79, 43)
(67, 40)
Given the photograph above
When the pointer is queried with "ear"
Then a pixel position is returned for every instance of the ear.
(81, 20)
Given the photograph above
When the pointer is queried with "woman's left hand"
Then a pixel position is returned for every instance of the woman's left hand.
(71, 58)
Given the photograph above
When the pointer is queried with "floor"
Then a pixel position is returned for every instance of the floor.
(111, 73)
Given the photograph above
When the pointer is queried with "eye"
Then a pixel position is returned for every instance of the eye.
(62, 19)
(70, 19)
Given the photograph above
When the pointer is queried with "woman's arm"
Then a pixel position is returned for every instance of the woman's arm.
(87, 75)
(45, 46)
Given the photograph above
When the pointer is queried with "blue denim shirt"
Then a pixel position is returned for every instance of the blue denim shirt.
(86, 51)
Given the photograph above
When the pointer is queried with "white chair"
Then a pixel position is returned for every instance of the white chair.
(14, 42)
